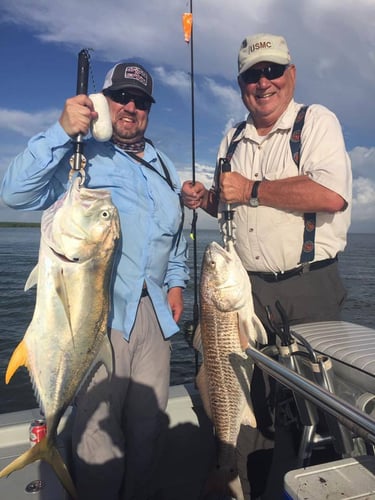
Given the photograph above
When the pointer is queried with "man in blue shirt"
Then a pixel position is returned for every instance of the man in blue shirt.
(119, 421)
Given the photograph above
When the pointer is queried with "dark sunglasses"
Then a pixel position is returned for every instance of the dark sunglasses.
(271, 72)
(122, 97)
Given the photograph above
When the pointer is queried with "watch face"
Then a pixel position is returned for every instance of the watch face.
(253, 202)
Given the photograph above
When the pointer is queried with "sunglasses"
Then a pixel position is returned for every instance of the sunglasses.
(142, 103)
(271, 72)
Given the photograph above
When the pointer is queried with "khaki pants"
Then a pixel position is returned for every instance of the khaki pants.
(119, 420)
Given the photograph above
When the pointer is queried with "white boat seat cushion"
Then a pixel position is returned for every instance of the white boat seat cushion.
(349, 343)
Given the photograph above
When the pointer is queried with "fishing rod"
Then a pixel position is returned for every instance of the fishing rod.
(187, 19)
(78, 160)
(195, 214)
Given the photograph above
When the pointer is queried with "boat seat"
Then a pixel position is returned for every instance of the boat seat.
(345, 342)
(351, 347)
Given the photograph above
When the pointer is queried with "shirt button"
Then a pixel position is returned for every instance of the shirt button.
(256, 175)
(251, 230)
(257, 257)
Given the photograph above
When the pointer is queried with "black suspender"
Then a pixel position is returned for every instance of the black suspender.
(308, 247)
(233, 142)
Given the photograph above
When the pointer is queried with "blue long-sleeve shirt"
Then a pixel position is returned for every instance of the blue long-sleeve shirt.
(151, 250)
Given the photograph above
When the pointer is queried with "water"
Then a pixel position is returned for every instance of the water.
(19, 253)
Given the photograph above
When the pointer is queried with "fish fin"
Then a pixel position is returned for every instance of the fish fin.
(197, 340)
(19, 358)
(62, 293)
(32, 280)
(260, 330)
(106, 355)
(202, 384)
(251, 328)
(223, 482)
(248, 417)
(235, 488)
(54, 458)
(49, 453)
(244, 328)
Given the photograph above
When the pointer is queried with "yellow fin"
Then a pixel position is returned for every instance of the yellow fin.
(19, 358)
(43, 450)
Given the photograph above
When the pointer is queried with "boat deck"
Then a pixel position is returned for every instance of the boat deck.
(188, 455)
(189, 442)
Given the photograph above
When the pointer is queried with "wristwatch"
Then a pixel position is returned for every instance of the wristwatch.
(254, 202)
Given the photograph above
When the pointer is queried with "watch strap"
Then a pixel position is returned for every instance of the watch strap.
(254, 191)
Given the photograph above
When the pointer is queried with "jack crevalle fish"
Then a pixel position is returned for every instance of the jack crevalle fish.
(68, 331)
(227, 325)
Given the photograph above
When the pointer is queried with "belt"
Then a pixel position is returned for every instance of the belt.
(305, 268)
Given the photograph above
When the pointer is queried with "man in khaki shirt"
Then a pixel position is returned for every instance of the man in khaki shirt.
(270, 194)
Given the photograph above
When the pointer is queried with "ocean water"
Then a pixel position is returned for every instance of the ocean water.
(19, 254)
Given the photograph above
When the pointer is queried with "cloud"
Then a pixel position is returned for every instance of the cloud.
(364, 198)
(332, 44)
(363, 167)
(363, 162)
(27, 124)
(178, 80)
(229, 102)
(363, 205)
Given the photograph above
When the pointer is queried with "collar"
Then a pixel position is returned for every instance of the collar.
(285, 122)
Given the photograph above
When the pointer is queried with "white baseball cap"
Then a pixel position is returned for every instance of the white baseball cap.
(262, 47)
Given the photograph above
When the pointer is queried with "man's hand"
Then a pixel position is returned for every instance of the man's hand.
(234, 188)
(176, 302)
(193, 195)
(77, 115)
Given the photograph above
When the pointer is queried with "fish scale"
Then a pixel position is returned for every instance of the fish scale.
(228, 324)
(219, 341)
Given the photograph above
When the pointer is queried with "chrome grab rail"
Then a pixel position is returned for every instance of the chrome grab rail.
(351, 417)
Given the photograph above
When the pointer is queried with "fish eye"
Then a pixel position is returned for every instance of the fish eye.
(105, 214)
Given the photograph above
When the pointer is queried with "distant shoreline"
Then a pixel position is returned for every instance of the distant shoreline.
(19, 224)
(37, 224)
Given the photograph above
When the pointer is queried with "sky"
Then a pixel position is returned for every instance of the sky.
(332, 43)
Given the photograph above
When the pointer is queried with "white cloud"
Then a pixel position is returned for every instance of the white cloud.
(363, 162)
(178, 80)
(364, 198)
(229, 102)
(332, 43)
(27, 124)
(363, 167)
(363, 205)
